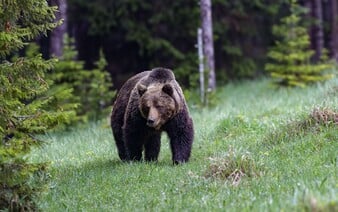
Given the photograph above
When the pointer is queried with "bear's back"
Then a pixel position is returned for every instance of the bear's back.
(157, 75)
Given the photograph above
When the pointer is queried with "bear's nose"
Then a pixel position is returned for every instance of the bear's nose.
(150, 121)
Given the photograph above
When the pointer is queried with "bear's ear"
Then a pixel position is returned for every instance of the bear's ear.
(141, 89)
(168, 89)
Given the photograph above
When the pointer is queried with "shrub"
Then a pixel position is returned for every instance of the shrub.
(90, 88)
(233, 167)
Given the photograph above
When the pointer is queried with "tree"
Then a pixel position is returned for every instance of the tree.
(290, 57)
(26, 106)
(208, 42)
(334, 30)
(57, 34)
(318, 29)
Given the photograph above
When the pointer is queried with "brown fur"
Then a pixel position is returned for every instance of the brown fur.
(147, 104)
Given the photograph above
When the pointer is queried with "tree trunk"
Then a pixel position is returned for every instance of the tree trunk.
(318, 28)
(208, 42)
(56, 36)
(334, 30)
(201, 63)
(308, 16)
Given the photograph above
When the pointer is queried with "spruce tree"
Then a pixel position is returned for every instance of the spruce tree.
(27, 108)
(291, 56)
(91, 88)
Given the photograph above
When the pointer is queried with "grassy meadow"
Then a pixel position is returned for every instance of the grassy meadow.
(259, 149)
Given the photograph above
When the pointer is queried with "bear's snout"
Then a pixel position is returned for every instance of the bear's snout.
(153, 118)
(150, 122)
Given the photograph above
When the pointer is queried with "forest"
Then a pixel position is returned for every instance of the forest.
(259, 78)
(139, 35)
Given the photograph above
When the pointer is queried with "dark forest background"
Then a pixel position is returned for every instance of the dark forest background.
(139, 35)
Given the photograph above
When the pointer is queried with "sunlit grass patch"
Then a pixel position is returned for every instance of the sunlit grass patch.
(233, 167)
(234, 126)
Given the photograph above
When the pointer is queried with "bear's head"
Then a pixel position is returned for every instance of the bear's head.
(158, 103)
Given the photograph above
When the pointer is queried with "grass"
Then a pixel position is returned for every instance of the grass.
(260, 149)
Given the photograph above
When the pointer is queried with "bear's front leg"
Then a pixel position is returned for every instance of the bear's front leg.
(152, 147)
(133, 136)
(181, 133)
(118, 136)
(134, 144)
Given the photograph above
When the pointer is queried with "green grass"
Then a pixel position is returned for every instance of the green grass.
(260, 149)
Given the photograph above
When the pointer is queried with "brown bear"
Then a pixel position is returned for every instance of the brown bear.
(148, 104)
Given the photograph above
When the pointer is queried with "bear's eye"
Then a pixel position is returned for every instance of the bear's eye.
(161, 108)
(146, 110)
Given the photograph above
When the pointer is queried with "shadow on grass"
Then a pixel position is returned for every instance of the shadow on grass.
(86, 167)
(108, 165)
